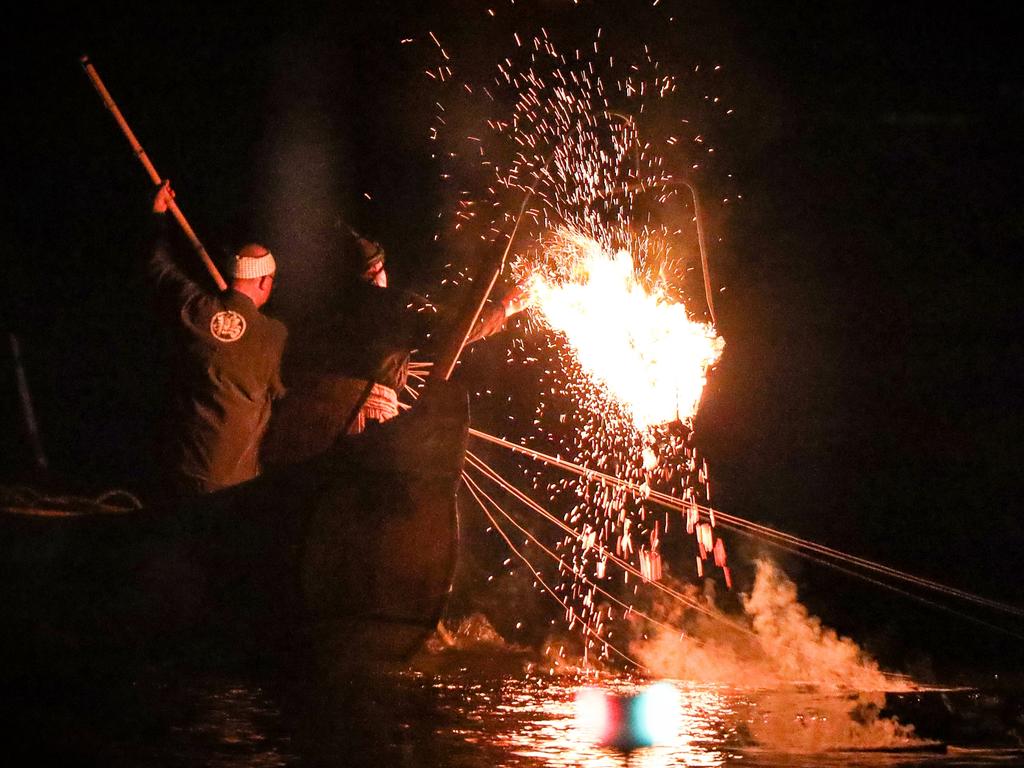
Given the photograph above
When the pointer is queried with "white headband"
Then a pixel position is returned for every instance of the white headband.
(247, 267)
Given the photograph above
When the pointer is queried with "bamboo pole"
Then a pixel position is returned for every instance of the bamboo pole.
(448, 357)
(140, 153)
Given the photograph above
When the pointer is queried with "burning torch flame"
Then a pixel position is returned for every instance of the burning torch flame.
(638, 345)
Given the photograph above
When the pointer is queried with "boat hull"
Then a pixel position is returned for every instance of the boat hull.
(352, 552)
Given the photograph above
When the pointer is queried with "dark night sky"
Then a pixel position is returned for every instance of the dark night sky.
(870, 393)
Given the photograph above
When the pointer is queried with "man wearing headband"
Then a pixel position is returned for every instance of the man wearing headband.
(227, 366)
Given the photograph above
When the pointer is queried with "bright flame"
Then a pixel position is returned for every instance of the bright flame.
(639, 346)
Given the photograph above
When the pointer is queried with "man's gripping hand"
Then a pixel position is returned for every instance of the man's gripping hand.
(163, 197)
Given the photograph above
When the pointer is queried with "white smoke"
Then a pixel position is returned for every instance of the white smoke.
(797, 721)
(782, 645)
(810, 689)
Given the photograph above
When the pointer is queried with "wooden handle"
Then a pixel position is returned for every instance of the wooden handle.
(108, 101)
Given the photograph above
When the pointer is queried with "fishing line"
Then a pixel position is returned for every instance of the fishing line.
(497, 478)
(733, 521)
(891, 587)
(571, 612)
(579, 573)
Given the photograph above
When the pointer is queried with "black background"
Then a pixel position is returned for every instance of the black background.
(870, 394)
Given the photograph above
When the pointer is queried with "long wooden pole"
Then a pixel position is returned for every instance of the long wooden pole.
(140, 153)
(448, 357)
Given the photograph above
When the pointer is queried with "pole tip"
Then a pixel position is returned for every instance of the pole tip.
(84, 60)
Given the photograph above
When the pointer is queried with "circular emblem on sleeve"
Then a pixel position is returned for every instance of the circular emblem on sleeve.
(227, 326)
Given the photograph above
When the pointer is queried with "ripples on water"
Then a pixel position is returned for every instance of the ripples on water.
(459, 719)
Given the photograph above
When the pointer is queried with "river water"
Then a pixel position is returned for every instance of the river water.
(471, 714)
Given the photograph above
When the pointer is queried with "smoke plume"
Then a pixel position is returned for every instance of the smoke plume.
(775, 643)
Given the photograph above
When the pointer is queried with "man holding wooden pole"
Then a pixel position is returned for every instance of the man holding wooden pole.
(228, 367)
(229, 353)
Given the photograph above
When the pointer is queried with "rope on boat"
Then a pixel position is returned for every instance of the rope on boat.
(810, 550)
(23, 500)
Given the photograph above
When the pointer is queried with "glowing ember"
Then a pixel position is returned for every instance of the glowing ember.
(603, 151)
(637, 344)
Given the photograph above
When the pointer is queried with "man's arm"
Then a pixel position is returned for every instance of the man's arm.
(431, 319)
(491, 320)
(495, 314)
(172, 285)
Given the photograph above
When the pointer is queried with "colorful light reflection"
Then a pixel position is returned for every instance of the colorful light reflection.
(648, 718)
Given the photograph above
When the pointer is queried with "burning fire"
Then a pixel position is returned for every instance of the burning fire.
(620, 364)
(637, 344)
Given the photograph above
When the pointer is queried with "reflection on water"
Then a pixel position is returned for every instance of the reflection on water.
(531, 722)
(535, 719)
(413, 720)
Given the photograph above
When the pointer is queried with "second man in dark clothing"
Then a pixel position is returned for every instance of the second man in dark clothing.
(347, 370)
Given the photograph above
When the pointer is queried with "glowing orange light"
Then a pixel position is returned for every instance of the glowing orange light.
(641, 347)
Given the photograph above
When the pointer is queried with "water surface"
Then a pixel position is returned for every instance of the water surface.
(476, 720)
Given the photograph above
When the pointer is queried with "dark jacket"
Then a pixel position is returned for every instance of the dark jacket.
(226, 372)
(372, 333)
(368, 338)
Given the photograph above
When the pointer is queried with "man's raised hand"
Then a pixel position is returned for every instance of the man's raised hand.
(163, 197)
